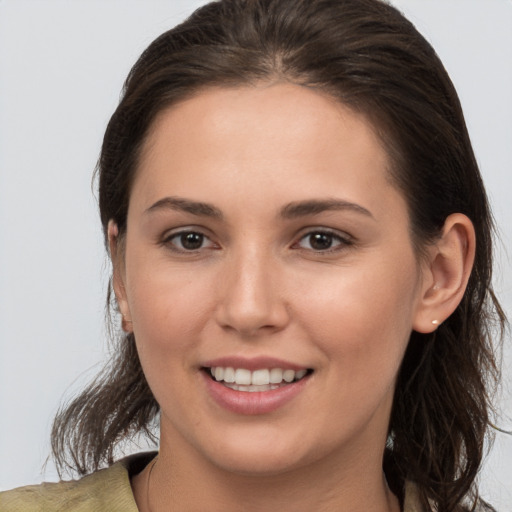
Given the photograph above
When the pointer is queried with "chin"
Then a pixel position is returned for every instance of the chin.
(267, 456)
(258, 466)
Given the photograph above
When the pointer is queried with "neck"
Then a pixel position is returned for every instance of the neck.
(186, 482)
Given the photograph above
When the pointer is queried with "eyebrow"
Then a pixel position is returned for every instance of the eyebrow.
(290, 211)
(316, 206)
(186, 205)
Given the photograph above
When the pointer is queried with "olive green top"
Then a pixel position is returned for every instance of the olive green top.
(105, 490)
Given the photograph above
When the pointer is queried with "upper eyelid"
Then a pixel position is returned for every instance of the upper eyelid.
(343, 235)
(170, 233)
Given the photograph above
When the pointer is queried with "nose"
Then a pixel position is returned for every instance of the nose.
(251, 296)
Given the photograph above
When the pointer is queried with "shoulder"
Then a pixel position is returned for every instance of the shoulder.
(106, 489)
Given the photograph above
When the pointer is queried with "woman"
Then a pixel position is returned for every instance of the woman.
(301, 249)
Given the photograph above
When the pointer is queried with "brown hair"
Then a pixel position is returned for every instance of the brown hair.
(369, 57)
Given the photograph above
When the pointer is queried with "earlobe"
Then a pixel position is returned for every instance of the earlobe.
(446, 273)
(117, 276)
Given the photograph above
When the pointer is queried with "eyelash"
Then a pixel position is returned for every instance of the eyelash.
(341, 242)
(168, 241)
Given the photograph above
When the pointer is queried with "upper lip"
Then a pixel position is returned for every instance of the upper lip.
(252, 363)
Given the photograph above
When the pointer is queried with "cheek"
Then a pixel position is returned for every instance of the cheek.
(363, 319)
(167, 306)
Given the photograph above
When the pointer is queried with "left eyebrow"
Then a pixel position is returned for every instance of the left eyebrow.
(316, 206)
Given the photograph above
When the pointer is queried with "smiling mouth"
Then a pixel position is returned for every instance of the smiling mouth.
(241, 379)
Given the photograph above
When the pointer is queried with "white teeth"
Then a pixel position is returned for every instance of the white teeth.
(276, 375)
(298, 375)
(288, 375)
(260, 377)
(229, 375)
(251, 389)
(243, 376)
(259, 380)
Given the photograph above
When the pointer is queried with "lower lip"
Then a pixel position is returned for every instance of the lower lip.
(256, 402)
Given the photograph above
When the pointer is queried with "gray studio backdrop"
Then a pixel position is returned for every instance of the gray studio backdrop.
(62, 64)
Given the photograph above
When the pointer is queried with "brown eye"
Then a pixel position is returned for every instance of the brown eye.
(320, 241)
(191, 241)
(188, 241)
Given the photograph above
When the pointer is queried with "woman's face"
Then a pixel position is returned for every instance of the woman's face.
(265, 239)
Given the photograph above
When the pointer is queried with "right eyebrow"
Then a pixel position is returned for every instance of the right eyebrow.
(186, 205)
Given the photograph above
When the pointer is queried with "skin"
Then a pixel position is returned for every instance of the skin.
(257, 286)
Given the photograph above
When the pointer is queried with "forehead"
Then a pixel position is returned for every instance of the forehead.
(261, 128)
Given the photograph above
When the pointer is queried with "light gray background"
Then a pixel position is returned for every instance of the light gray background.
(62, 65)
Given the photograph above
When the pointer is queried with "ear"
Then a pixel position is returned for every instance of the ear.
(446, 273)
(116, 255)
